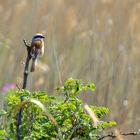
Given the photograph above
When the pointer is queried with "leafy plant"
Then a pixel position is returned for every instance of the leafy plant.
(54, 117)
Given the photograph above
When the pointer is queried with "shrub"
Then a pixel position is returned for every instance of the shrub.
(53, 117)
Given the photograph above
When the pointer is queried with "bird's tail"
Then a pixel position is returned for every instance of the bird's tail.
(33, 65)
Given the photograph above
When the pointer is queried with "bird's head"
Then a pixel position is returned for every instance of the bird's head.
(38, 36)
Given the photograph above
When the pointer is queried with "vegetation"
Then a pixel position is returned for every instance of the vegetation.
(94, 40)
(54, 117)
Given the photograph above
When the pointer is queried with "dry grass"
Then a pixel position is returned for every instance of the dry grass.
(94, 40)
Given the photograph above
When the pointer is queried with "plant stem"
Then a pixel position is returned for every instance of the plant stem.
(19, 117)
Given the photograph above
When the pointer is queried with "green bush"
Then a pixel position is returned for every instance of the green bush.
(53, 117)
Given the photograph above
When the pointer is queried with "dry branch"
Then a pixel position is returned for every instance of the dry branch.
(19, 117)
(112, 135)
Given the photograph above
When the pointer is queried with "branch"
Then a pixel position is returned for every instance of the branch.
(112, 135)
(26, 64)
(26, 44)
(131, 133)
(19, 117)
(26, 72)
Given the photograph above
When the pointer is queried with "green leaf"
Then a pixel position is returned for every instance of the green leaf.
(2, 112)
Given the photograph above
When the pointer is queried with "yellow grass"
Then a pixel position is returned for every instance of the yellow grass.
(93, 40)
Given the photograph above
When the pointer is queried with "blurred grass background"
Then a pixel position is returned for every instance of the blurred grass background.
(92, 40)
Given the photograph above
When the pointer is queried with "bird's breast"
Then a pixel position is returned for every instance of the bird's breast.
(37, 44)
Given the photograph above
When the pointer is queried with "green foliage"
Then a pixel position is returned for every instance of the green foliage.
(53, 117)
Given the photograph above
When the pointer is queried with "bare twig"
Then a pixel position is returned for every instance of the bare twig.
(26, 44)
(18, 87)
(23, 87)
(26, 72)
(26, 64)
(112, 135)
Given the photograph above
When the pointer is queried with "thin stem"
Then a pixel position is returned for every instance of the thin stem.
(26, 73)
(19, 117)
(112, 135)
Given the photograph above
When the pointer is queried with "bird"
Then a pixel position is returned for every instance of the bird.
(36, 49)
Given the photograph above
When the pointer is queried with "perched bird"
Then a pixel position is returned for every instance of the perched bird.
(36, 49)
